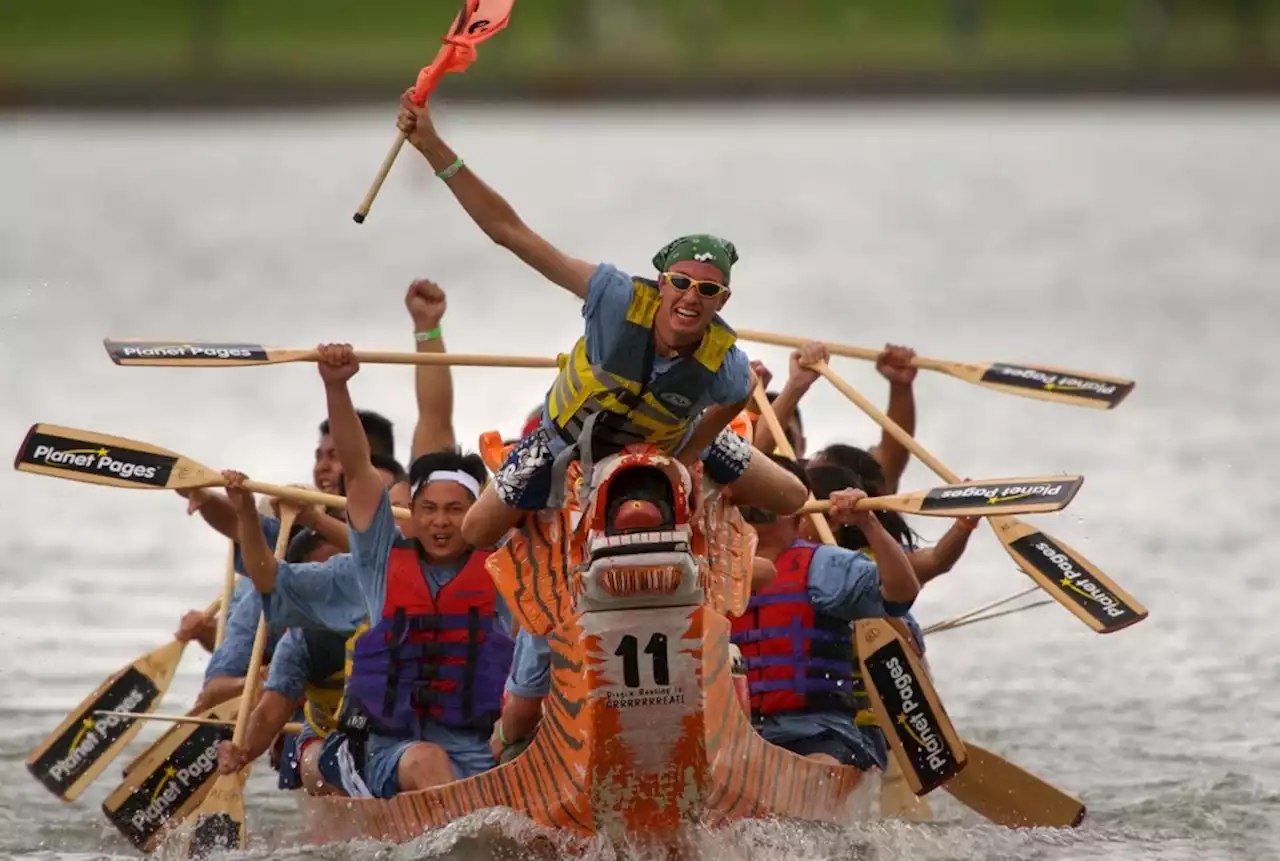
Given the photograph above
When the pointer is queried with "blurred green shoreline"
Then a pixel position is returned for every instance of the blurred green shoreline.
(140, 53)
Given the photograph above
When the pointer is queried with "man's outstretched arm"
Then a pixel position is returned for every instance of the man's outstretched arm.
(488, 209)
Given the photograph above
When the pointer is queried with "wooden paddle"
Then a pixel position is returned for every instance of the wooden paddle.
(1068, 577)
(976, 611)
(478, 20)
(925, 745)
(228, 589)
(96, 458)
(289, 728)
(170, 779)
(207, 354)
(219, 821)
(987, 617)
(985, 498)
(1008, 795)
(1045, 383)
(75, 753)
(983, 613)
(985, 792)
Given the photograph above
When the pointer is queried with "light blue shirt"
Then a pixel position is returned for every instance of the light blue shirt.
(290, 666)
(322, 596)
(530, 667)
(231, 659)
(605, 313)
(845, 584)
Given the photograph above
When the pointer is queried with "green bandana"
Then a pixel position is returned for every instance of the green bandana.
(702, 248)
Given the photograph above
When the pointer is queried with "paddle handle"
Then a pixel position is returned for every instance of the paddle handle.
(303, 495)
(870, 503)
(378, 180)
(247, 697)
(288, 729)
(813, 507)
(249, 694)
(895, 430)
(384, 357)
(848, 351)
(228, 587)
(187, 719)
(937, 629)
(876, 503)
(797, 343)
(977, 611)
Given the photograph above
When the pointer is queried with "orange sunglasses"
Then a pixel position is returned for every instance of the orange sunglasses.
(683, 283)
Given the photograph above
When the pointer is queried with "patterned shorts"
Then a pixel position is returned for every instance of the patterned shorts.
(727, 458)
(340, 765)
(524, 479)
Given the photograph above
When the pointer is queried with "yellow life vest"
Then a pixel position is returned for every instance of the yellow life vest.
(634, 408)
(325, 684)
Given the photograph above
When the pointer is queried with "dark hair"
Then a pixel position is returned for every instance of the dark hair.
(826, 480)
(379, 461)
(390, 464)
(773, 396)
(754, 514)
(448, 459)
(377, 429)
(303, 544)
(860, 462)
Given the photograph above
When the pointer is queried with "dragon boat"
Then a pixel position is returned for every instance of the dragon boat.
(643, 733)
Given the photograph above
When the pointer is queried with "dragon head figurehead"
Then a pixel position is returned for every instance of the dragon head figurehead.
(640, 540)
(640, 531)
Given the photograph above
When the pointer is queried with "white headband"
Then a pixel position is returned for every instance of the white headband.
(457, 476)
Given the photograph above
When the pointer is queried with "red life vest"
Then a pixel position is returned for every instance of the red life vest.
(445, 658)
(797, 658)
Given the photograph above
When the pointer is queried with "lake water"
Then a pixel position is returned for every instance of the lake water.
(1131, 240)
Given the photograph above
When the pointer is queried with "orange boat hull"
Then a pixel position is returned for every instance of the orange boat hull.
(643, 733)
(625, 762)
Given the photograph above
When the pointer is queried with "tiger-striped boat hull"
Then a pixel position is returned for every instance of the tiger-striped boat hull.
(642, 734)
(626, 762)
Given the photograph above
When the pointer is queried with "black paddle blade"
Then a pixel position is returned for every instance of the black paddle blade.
(63, 456)
(1066, 384)
(89, 737)
(217, 832)
(1071, 579)
(182, 352)
(997, 497)
(917, 727)
(171, 785)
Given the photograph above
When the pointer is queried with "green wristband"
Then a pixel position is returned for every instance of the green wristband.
(433, 335)
(452, 169)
